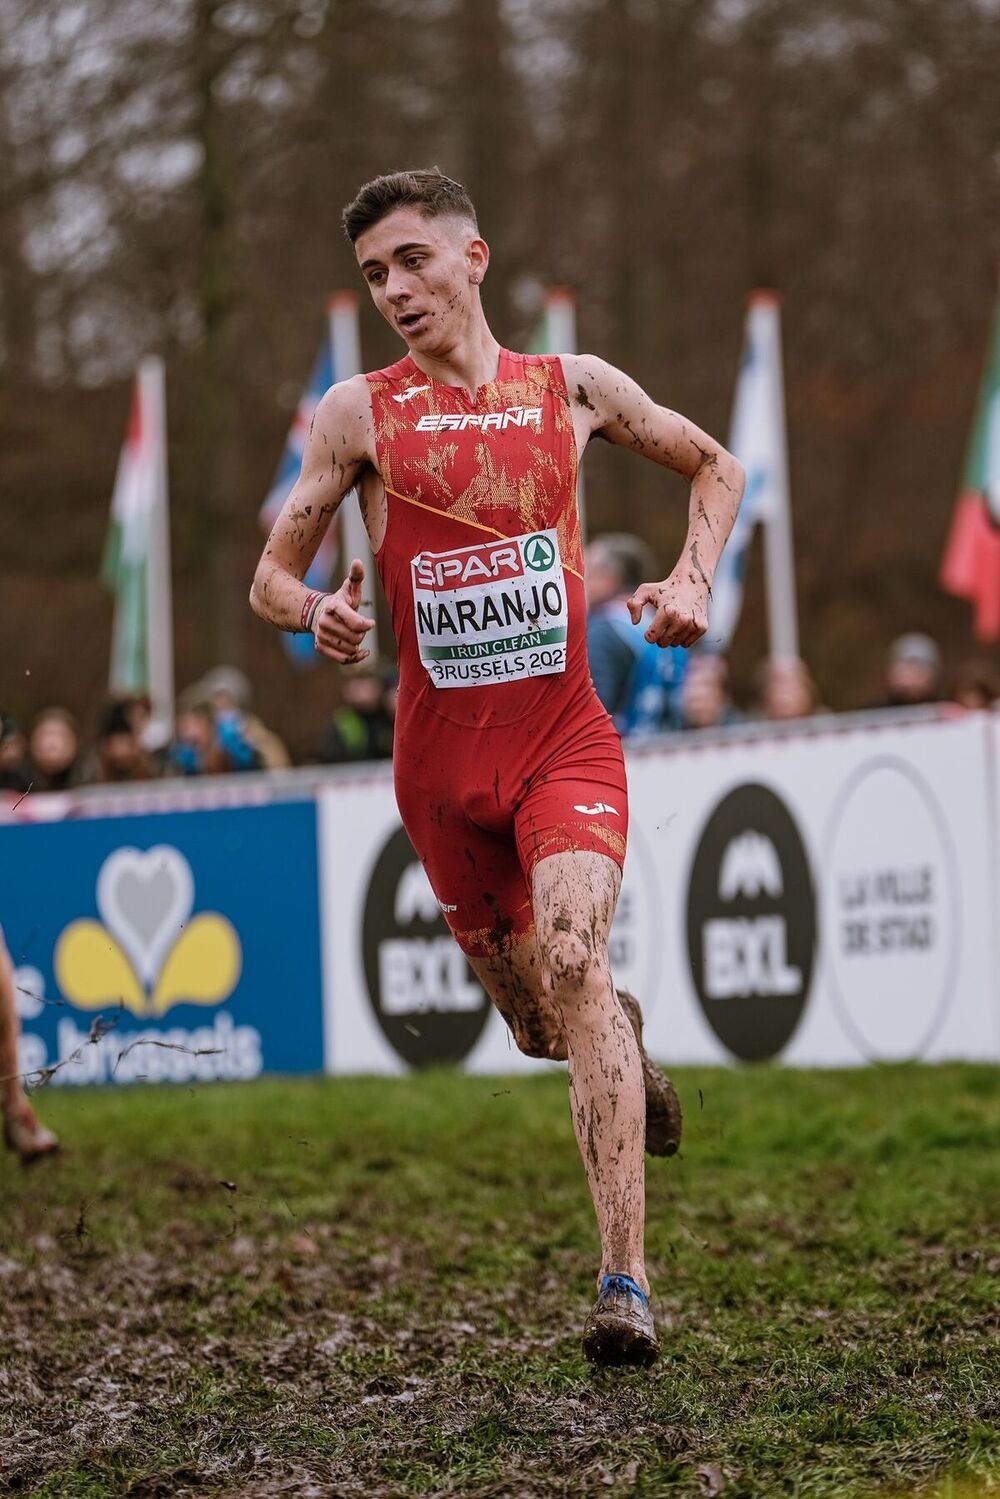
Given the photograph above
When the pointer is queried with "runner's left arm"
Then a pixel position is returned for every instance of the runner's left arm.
(621, 412)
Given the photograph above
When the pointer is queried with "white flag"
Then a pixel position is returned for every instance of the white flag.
(757, 439)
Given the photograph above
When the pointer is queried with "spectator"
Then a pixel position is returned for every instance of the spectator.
(151, 732)
(194, 749)
(362, 724)
(638, 682)
(14, 772)
(120, 755)
(245, 741)
(912, 673)
(787, 690)
(978, 685)
(53, 751)
(705, 699)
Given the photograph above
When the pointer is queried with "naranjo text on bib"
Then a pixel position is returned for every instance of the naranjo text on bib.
(491, 613)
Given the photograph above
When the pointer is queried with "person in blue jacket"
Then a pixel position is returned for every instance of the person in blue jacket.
(638, 682)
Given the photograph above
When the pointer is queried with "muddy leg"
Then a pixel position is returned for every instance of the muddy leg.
(574, 897)
(515, 981)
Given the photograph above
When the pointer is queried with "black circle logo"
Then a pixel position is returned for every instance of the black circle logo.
(751, 923)
(427, 1000)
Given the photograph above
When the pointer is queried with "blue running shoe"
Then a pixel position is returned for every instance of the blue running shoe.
(620, 1327)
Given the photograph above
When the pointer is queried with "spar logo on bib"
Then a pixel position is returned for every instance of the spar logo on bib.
(491, 613)
(539, 553)
(471, 565)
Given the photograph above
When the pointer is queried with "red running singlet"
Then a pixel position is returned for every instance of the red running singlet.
(503, 752)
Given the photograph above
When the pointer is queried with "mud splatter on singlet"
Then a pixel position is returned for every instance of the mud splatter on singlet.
(502, 627)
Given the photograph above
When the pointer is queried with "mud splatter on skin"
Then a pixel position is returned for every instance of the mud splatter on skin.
(553, 987)
(698, 567)
(637, 442)
(582, 399)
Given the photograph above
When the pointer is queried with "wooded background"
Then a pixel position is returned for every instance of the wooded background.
(171, 180)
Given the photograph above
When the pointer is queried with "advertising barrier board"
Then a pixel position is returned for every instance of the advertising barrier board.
(823, 897)
(166, 947)
(826, 900)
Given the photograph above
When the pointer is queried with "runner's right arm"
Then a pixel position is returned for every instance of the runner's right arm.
(336, 452)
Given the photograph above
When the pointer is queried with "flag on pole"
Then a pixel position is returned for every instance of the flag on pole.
(300, 647)
(757, 439)
(555, 333)
(136, 563)
(970, 568)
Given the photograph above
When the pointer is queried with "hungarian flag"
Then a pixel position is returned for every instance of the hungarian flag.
(125, 564)
(970, 568)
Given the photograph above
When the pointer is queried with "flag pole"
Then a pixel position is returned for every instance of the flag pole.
(560, 336)
(345, 346)
(779, 553)
(159, 594)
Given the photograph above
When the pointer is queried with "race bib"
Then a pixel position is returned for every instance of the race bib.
(491, 613)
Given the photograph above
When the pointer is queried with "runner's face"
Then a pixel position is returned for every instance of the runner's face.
(422, 274)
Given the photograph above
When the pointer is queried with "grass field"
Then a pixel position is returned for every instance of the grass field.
(376, 1287)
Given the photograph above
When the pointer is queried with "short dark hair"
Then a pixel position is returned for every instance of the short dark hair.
(629, 555)
(427, 189)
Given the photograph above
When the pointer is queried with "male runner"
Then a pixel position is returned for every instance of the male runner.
(509, 774)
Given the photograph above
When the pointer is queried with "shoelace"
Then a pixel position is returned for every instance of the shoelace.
(623, 1284)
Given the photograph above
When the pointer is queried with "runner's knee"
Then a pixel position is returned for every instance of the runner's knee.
(575, 963)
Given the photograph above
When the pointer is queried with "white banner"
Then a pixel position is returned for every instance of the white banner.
(825, 899)
(398, 991)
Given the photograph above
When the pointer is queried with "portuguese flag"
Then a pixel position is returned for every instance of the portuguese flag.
(970, 568)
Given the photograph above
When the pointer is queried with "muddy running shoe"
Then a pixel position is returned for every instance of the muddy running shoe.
(30, 1140)
(663, 1109)
(620, 1327)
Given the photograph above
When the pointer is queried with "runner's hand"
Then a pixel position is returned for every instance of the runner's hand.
(680, 607)
(338, 628)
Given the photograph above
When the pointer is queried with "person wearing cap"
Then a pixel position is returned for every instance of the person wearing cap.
(244, 742)
(912, 672)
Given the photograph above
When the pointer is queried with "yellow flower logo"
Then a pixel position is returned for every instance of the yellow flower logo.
(147, 952)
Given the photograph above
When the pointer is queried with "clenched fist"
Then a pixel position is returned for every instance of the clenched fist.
(680, 605)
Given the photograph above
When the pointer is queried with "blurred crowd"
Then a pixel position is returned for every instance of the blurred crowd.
(215, 733)
(647, 691)
(652, 691)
